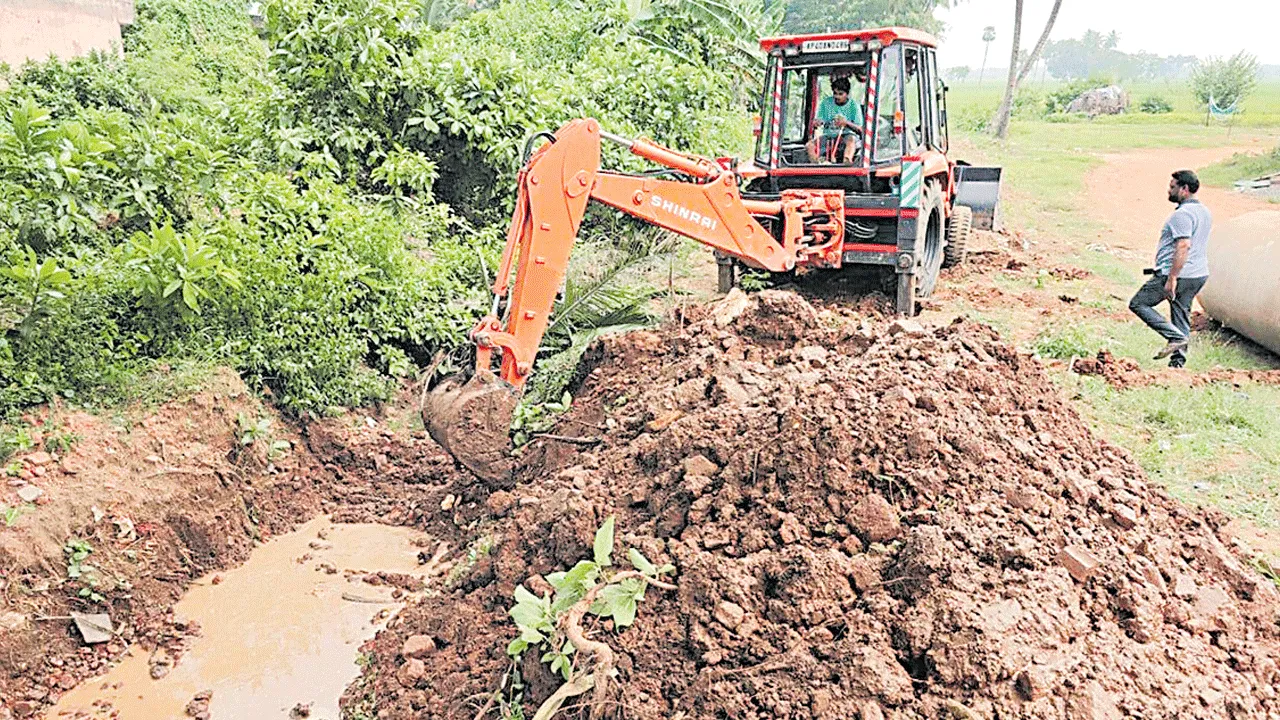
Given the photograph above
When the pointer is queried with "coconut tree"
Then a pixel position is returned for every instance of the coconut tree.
(1018, 66)
(988, 36)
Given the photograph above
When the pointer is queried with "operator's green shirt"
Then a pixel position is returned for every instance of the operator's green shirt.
(828, 111)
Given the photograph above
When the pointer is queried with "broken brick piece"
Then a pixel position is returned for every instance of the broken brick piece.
(1125, 516)
(1079, 562)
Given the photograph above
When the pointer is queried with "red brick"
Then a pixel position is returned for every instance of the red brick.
(1125, 516)
(1079, 562)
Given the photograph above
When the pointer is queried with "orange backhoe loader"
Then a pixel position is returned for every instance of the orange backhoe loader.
(807, 200)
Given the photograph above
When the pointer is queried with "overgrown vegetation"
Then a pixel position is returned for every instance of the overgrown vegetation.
(272, 200)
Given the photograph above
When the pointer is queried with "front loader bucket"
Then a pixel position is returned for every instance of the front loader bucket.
(979, 188)
(472, 421)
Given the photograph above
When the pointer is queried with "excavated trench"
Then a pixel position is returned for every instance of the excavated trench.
(281, 631)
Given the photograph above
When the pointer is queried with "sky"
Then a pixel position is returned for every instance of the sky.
(1163, 27)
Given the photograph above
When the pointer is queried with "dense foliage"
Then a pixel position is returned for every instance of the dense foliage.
(807, 16)
(314, 203)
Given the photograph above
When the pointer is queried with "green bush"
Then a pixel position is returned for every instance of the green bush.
(362, 80)
(1155, 105)
(1226, 81)
(1065, 343)
(317, 206)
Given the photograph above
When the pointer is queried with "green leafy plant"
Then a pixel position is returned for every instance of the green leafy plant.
(80, 572)
(1155, 105)
(174, 271)
(15, 439)
(60, 441)
(10, 514)
(753, 280)
(39, 286)
(531, 418)
(552, 624)
(1065, 343)
(258, 432)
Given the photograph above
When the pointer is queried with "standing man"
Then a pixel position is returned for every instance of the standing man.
(1181, 269)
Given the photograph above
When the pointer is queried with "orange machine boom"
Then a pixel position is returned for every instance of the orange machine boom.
(553, 190)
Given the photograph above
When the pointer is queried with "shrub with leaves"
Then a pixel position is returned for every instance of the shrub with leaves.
(1227, 81)
(172, 271)
(361, 81)
(1155, 105)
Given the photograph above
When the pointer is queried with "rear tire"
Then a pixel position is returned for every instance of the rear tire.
(929, 240)
(958, 232)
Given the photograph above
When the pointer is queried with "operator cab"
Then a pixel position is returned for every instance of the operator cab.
(898, 97)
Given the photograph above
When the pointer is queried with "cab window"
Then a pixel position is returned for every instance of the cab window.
(888, 140)
(913, 96)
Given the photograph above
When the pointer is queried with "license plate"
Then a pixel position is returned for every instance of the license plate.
(822, 46)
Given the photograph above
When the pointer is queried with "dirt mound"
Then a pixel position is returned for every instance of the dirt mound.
(1124, 373)
(868, 520)
(1118, 372)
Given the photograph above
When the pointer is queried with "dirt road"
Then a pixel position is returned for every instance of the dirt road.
(1127, 194)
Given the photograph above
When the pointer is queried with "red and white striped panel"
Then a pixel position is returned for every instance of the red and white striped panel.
(868, 117)
(775, 129)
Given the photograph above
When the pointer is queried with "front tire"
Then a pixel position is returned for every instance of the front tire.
(958, 232)
(929, 241)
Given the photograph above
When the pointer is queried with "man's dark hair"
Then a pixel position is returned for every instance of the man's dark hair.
(840, 85)
(1188, 180)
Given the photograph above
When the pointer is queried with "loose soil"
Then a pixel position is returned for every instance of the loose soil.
(869, 519)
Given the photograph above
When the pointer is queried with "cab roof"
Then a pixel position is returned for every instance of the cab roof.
(885, 35)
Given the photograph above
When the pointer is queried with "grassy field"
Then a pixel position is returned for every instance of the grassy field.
(1260, 110)
(1217, 444)
(1241, 166)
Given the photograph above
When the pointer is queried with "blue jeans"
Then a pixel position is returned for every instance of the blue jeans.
(1152, 293)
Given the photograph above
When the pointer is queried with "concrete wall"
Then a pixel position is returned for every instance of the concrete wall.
(34, 29)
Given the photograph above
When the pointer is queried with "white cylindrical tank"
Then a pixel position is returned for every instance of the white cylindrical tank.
(1243, 291)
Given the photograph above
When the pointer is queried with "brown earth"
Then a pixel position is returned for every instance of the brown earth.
(1128, 194)
(164, 496)
(868, 520)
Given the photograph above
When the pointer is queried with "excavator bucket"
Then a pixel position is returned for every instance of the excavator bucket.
(979, 189)
(472, 421)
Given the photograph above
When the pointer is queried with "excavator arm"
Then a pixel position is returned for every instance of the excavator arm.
(554, 187)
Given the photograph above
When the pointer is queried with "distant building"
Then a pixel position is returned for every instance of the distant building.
(35, 29)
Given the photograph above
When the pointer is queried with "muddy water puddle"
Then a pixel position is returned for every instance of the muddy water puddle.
(274, 633)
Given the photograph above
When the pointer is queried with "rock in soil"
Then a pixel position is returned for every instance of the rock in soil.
(914, 525)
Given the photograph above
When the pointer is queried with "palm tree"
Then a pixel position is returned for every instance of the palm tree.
(988, 36)
(1113, 41)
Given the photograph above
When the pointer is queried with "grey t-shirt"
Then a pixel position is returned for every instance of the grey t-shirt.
(1190, 220)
